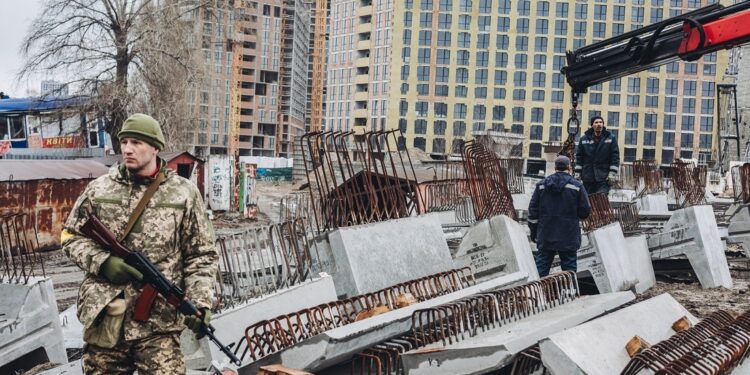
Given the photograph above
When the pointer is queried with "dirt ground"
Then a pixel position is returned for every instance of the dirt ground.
(701, 302)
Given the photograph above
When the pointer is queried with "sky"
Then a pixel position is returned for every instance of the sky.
(17, 17)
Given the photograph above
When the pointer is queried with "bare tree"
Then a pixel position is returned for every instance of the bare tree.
(126, 55)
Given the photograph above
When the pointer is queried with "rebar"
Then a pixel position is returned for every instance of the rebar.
(458, 320)
(741, 182)
(715, 345)
(487, 185)
(269, 336)
(601, 212)
(358, 179)
(627, 215)
(262, 260)
(648, 177)
(529, 362)
(688, 182)
(18, 249)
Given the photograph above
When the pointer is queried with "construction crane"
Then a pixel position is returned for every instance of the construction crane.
(687, 37)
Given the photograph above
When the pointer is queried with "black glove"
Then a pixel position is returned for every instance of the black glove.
(195, 323)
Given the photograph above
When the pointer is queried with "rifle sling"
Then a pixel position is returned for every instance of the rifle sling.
(146, 299)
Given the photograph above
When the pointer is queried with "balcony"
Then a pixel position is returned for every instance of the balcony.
(360, 113)
(362, 62)
(363, 45)
(364, 28)
(362, 79)
(364, 11)
(361, 96)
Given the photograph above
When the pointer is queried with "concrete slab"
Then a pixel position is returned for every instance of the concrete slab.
(622, 195)
(693, 232)
(30, 322)
(598, 347)
(653, 203)
(72, 328)
(738, 231)
(521, 201)
(496, 246)
(230, 324)
(492, 350)
(395, 251)
(614, 262)
(339, 344)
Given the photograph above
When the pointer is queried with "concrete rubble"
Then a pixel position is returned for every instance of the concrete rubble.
(30, 331)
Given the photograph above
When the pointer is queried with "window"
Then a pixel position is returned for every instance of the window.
(540, 62)
(503, 24)
(535, 150)
(462, 75)
(542, 8)
(444, 21)
(614, 99)
(422, 89)
(524, 8)
(518, 114)
(542, 26)
(634, 100)
(670, 104)
(650, 120)
(707, 89)
(634, 85)
(673, 67)
(503, 6)
(629, 155)
(709, 69)
(555, 133)
(521, 61)
(613, 119)
(459, 111)
(459, 128)
(522, 43)
(670, 122)
(560, 45)
(420, 143)
(536, 133)
(649, 138)
(479, 112)
(462, 57)
(484, 23)
(425, 19)
(579, 28)
(652, 101)
(501, 59)
(465, 5)
(707, 106)
(498, 93)
(705, 140)
(502, 42)
(686, 140)
(537, 95)
(631, 137)
(480, 77)
(561, 27)
(561, 10)
(539, 79)
(461, 91)
(618, 29)
(464, 40)
(519, 79)
(443, 56)
(498, 113)
(581, 11)
(407, 36)
(631, 120)
(707, 124)
(424, 55)
(464, 21)
(438, 127)
(421, 109)
(619, 13)
(483, 58)
(425, 37)
(403, 107)
(556, 115)
(688, 123)
(600, 29)
(636, 15)
(423, 73)
(446, 5)
(483, 41)
(519, 94)
(441, 74)
(438, 146)
(558, 62)
(540, 44)
(441, 90)
(671, 87)
(444, 38)
(501, 77)
(688, 105)
(667, 139)
(420, 126)
(426, 4)
(667, 156)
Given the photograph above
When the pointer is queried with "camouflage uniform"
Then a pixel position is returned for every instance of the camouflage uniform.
(174, 233)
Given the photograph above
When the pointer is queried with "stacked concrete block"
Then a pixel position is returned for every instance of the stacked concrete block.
(598, 347)
(29, 324)
(738, 231)
(494, 247)
(692, 232)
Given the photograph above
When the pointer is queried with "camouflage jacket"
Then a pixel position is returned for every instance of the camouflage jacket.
(173, 232)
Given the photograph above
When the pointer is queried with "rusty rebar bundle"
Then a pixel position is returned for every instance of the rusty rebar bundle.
(18, 249)
(529, 362)
(262, 260)
(627, 215)
(269, 336)
(358, 179)
(487, 185)
(741, 182)
(648, 177)
(513, 173)
(457, 320)
(715, 345)
(601, 212)
(688, 182)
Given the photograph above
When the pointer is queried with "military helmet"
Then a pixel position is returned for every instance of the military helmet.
(143, 127)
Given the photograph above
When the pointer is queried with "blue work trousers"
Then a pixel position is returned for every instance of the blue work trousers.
(568, 261)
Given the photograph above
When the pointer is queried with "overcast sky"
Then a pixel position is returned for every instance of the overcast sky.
(17, 17)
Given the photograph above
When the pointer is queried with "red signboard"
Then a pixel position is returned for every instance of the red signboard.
(68, 141)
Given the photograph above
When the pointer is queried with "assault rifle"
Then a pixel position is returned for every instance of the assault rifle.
(152, 277)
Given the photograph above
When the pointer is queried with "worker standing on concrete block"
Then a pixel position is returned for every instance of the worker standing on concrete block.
(597, 158)
(126, 330)
(558, 204)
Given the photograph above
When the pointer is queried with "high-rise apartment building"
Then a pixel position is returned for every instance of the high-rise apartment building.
(262, 92)
(445, 70)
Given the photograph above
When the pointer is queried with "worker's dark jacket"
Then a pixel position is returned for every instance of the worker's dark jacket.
(558, 203)
(594, 161)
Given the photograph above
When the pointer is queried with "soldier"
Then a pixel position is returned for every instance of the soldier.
(122, 330)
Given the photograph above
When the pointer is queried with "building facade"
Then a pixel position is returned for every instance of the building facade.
(445, 70)
(255, 86)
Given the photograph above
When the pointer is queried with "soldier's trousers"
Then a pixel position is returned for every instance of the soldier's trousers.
(154, 355)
